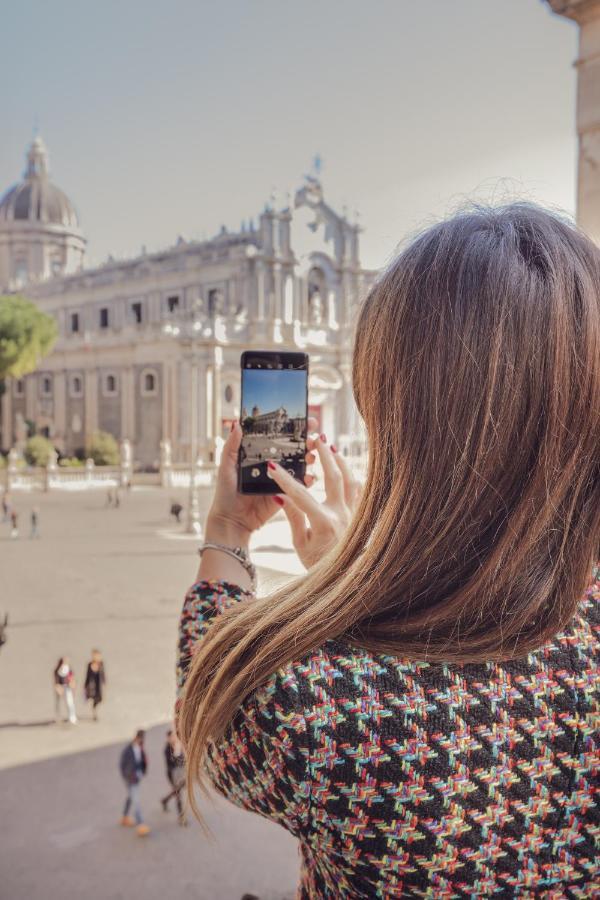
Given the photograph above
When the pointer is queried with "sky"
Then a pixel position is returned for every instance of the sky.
(270, 390)
(173, 118)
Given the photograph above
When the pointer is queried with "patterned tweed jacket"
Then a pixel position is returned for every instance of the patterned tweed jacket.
(412, 779)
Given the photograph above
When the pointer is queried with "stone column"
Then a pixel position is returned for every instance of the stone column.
(587, 14)
(91, 404)
(31, 397)
(127, 404)
(260, 289)
(60, 408)
(165, 373)
(6, 404)
(174, 388)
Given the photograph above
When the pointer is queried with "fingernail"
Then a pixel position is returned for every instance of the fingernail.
(271, 465)
(278, 499)
(333, 448)
(323, 438)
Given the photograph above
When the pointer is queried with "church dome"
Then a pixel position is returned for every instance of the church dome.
(36, 199)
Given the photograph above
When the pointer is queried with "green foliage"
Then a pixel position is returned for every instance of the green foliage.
(37, 450)
(71, 462)
(104, 449)
(248, 424)
(26, 335)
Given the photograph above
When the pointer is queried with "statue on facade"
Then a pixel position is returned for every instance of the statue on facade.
(165, 453)
(315, 309)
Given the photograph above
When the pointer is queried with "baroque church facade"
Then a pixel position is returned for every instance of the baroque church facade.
(132, 333)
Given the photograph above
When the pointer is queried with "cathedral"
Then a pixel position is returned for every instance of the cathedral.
(133, 333)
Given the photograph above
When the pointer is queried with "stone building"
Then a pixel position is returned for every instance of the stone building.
(586, 13)
(292, 280)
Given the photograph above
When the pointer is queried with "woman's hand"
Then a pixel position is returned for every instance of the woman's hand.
(234, 516)
(326, 521)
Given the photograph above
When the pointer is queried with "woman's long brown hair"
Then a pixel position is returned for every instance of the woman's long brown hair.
(477, 374)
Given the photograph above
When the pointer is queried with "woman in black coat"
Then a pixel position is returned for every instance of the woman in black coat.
(95, 679)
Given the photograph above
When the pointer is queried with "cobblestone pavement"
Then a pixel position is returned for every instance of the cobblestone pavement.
(113, 579)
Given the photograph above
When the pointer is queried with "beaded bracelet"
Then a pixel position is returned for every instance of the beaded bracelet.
(237, 553)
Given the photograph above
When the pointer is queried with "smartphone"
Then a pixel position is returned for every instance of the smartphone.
(273, 418)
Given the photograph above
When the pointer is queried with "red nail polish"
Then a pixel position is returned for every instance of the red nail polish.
(271, 465)
(278, 499)
(333, 448)
(323, 438)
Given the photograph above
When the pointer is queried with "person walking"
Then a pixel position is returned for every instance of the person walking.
(175, 767)
(64, 687)
(35, 517)
(14, 524)
(95, 679)
(5, 506)
(176, 510)
(420, 708)
(133, 766)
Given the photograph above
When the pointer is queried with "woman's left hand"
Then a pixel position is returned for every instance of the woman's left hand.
(316, 527)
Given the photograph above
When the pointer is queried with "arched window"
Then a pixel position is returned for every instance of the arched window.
(110, 385)
(47, 385)
(19, 387)
(149, 383)
(76, 386)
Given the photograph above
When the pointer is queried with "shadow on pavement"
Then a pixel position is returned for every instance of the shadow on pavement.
(42, 722)
(60, 837)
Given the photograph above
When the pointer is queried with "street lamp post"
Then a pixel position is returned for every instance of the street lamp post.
(186, 328)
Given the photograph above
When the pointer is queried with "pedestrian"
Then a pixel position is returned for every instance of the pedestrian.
(175, 767)
(134, 765)
(109, 497)
(95, 679)
(176, 510)
(5, 506)
(64, 686)
(35, 517)
(14, 524)
(117, 500)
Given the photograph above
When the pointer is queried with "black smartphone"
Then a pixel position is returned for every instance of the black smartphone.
(273, 418)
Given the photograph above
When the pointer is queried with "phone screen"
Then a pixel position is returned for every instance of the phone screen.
(273, 418)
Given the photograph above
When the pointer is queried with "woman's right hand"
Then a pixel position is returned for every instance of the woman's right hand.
(326, 521)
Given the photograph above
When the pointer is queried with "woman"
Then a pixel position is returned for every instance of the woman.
(95, 679)
(175, 769)
(64, 685)
(417, 708)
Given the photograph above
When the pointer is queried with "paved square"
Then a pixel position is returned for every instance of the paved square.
(112, 579)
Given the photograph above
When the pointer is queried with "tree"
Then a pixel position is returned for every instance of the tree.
(37, 450)
(103, 449)
(26, 335)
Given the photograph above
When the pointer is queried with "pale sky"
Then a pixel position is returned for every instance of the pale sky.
(166, 118)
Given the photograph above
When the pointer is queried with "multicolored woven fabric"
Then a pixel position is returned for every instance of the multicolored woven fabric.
(410, 779)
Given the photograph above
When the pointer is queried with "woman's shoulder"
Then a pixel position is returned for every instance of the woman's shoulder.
(338, 669)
